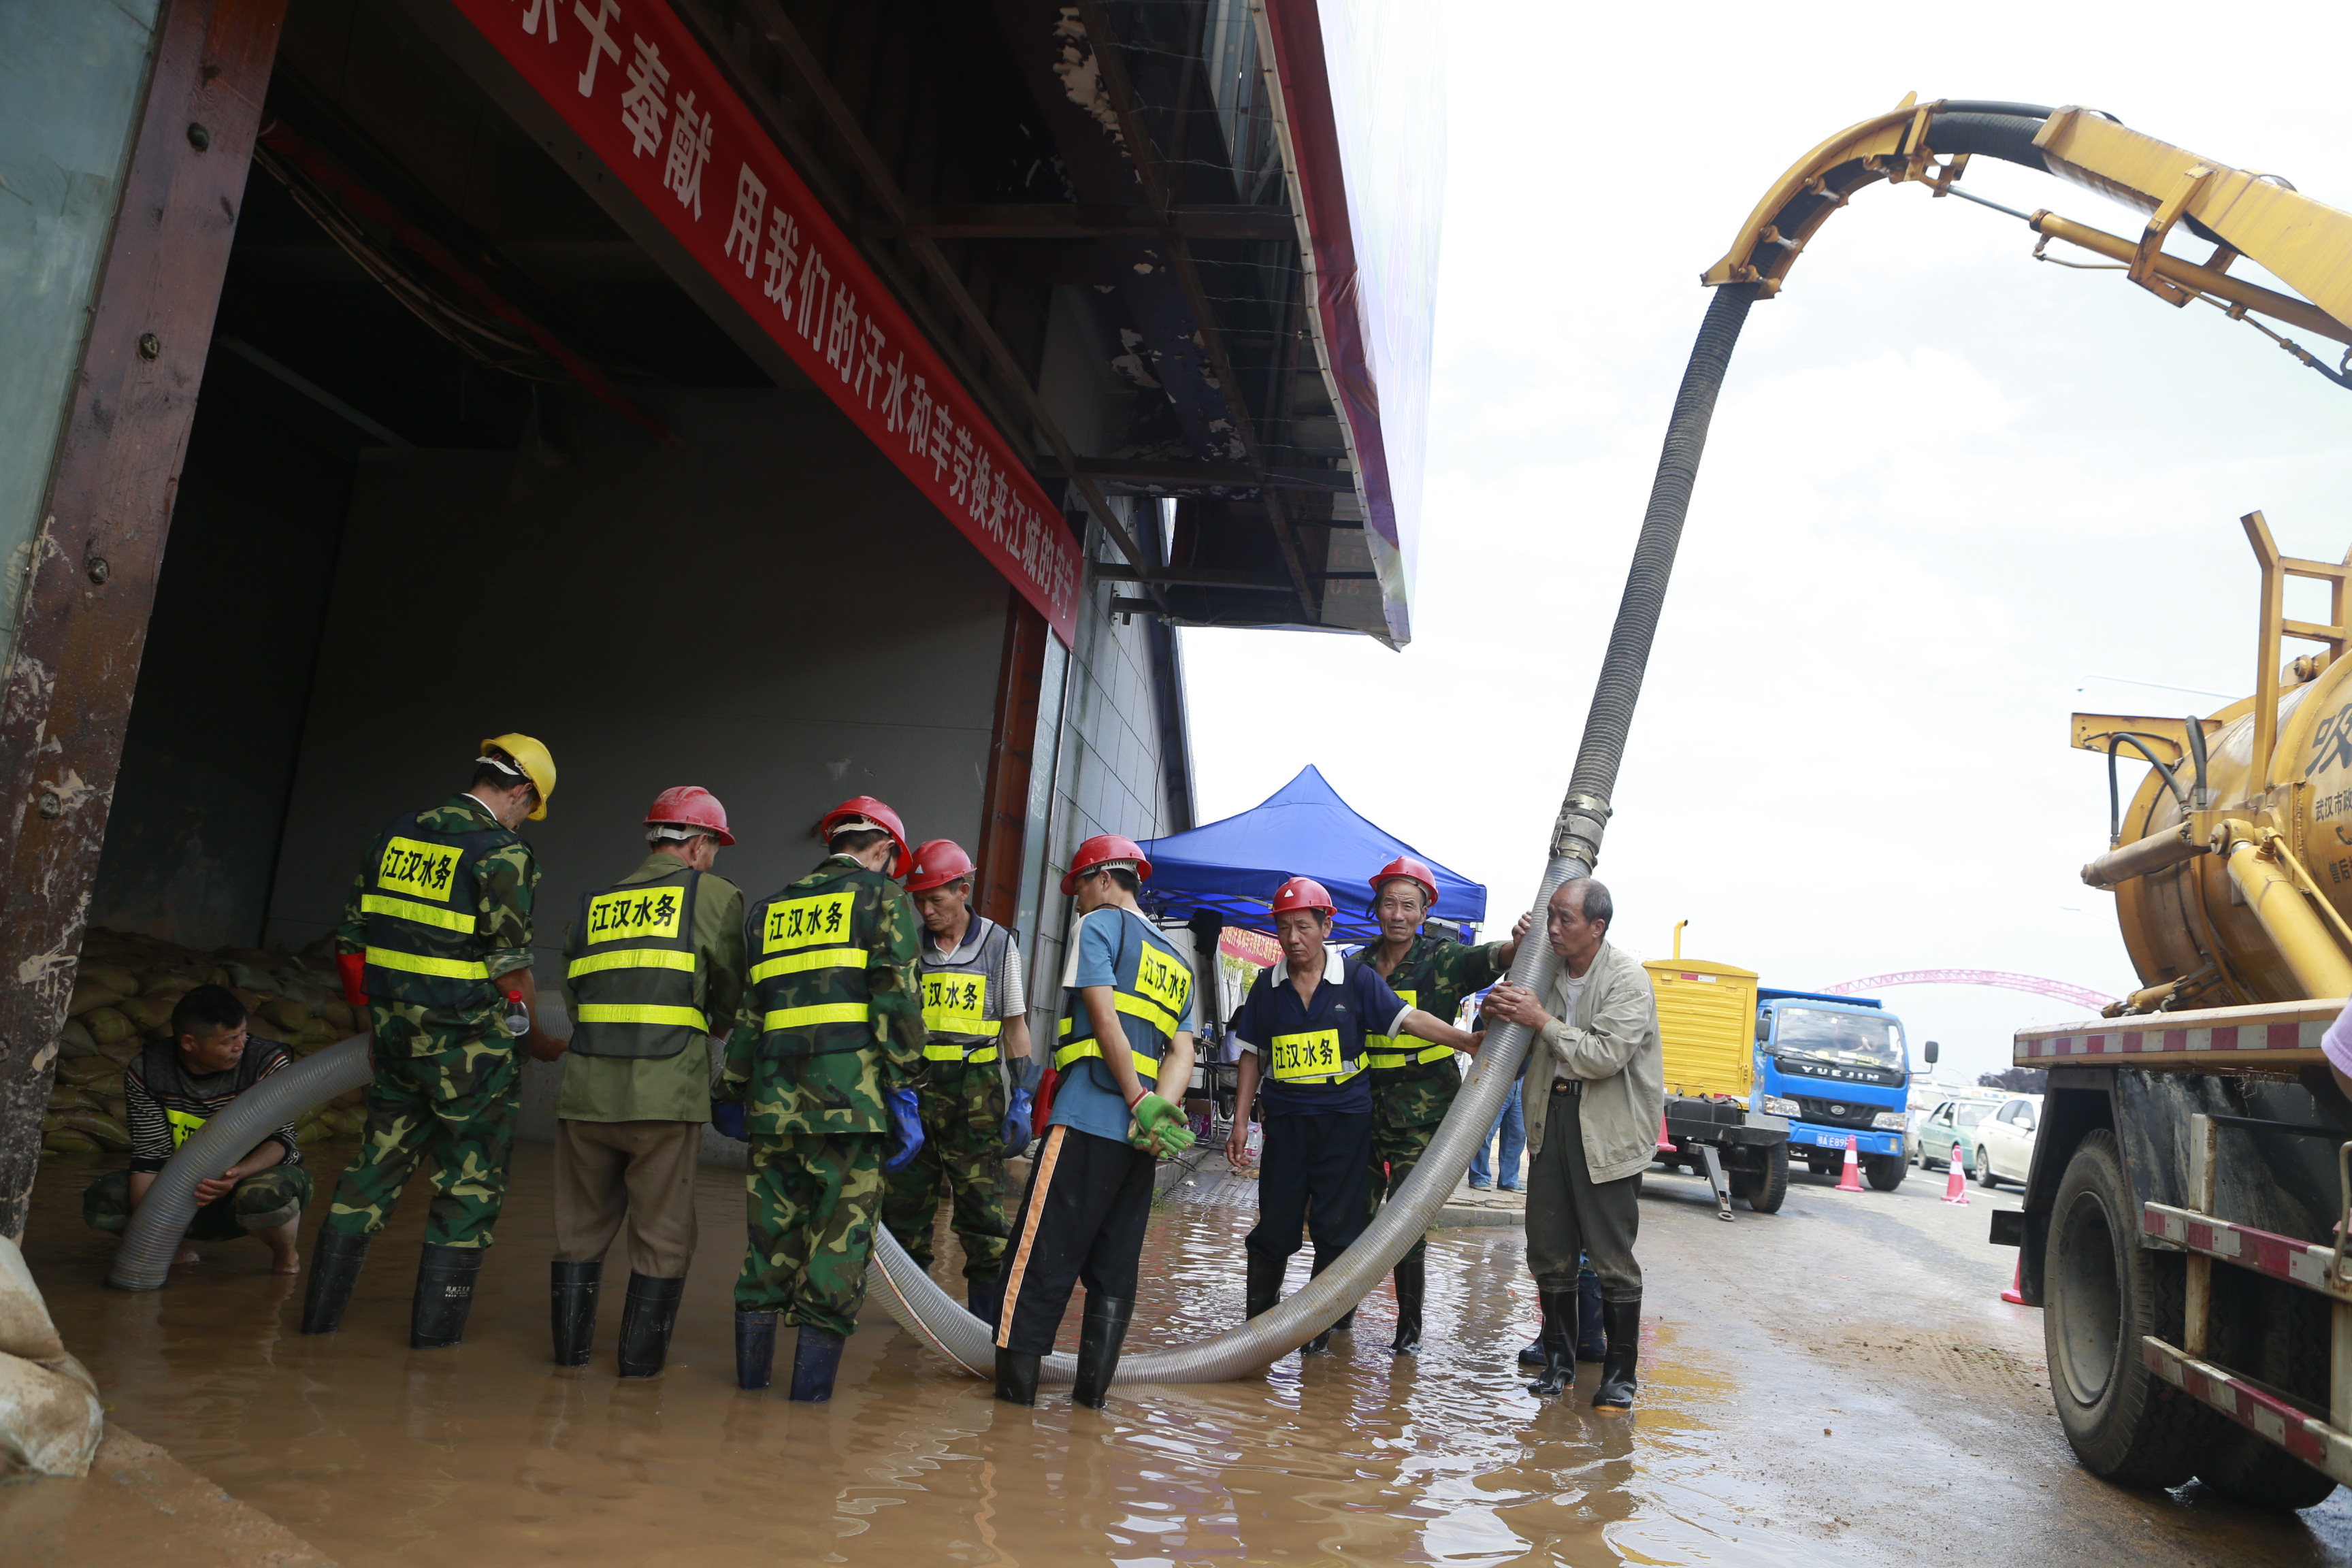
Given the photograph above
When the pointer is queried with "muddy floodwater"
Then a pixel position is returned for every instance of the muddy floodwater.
(1777, 1422)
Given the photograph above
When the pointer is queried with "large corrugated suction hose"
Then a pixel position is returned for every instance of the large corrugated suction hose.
(142, 1260)
(929, 1312)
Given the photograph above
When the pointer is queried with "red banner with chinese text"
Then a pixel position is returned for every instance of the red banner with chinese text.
(628, 78)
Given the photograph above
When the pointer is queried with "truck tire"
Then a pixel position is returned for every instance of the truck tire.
(1769, 1188)
(2102, 1292)
(1886, 1170)
(2281, 1335)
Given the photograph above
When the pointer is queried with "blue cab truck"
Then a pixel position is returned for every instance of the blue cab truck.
(1838, 1068)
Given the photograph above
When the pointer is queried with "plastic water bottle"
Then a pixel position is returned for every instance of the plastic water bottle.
(1255, 1145)
(518, 1015)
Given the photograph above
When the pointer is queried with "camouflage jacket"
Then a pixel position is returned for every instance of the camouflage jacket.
(509, 880)
(840, 1091)
(1435, 975)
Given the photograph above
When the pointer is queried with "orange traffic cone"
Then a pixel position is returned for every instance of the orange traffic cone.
(1850, 1179)
(1956, 1185)
(2014, 1296)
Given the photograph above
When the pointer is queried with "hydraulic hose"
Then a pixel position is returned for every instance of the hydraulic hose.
(142, 1259)
(929, 1314)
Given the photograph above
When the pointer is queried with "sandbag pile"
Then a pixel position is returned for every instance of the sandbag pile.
(50, 1420)
(122, 998)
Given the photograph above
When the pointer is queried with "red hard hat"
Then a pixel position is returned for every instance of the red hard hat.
(1303, 893)
(875, 812)
(1412, 871)
(1102, 848)
(689, 806)
(938, 863)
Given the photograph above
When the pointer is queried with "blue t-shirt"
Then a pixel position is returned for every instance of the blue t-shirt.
(1085, 1095)
(1359, 1003)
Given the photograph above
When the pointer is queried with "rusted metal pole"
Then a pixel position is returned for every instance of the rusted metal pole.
(65, 696)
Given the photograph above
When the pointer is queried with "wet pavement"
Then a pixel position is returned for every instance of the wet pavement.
(1839, 1383)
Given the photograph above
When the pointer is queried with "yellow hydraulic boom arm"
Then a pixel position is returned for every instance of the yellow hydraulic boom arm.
(2241, 212)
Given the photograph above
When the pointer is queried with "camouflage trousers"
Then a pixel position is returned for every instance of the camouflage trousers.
(1395, 1151)
(810, 1207)
(963, 1144)
(263, 1201)
(456, 1102)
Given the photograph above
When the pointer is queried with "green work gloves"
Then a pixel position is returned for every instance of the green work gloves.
(1159, 1126)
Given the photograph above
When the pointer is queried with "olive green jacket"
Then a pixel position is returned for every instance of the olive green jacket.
(1612, 1044)
(668, 1089)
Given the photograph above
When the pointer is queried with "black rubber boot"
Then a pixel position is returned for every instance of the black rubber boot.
(1412, 1273)
(1592, 1339)
(984, 1298)
(1322, 1342)
(445, 1294)
(817, 1360)
(571, 1308)
(1531, 1353)
(1623, 1322)
(1017, 1377)
(335, 1260)
(1100, 1335)
(1558, 1344)
(1263, 1288)
(648, 1313)
(755, 1349)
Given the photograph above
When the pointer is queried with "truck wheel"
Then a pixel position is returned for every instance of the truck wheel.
(2281, 1335)
(1768, 1190)
(2102, 1292)
(1886, 1170)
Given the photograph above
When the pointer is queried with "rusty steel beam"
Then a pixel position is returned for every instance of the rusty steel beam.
(1004, 797)
(91, 582)
(1192, 577)
(1046, 220)
(1220, 475)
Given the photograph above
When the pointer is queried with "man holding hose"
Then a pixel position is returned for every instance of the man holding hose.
(1124, 1054)
(1594, 1091)
(1303, 1033)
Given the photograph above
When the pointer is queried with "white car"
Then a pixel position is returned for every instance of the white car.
(2005, 1141)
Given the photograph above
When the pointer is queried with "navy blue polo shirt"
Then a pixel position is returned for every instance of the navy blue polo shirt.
(1350, 999)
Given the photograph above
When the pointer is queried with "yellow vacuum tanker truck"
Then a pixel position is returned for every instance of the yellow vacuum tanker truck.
(2188, 1220)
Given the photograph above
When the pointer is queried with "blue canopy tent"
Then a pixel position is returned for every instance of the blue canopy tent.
(1231, 868)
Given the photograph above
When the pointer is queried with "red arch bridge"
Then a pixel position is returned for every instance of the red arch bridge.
(2082, 995)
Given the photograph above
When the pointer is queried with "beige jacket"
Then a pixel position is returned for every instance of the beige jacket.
(1612, 1044)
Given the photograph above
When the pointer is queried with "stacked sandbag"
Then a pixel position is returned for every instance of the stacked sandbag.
(122, 998)
(50, 1420)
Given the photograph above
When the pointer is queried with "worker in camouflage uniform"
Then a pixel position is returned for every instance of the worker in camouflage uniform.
(436, 937)
(1413, 1084)
(976, 1040)
(827, 1073)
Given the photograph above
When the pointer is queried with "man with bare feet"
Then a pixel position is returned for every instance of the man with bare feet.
(173, 1088)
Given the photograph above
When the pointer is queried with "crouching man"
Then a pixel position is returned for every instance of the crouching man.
(168, 1091)
(1594, 1091)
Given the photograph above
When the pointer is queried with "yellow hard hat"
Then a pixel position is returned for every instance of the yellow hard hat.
(537, 766)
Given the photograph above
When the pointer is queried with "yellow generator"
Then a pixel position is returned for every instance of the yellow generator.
(1707, 1025)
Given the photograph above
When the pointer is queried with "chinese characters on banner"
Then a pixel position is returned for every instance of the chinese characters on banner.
(631, 81)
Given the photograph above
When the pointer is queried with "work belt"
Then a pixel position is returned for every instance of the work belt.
(1568, 1087)
(1389, 1061)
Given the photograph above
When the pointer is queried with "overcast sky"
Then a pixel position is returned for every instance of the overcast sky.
(1950, 496)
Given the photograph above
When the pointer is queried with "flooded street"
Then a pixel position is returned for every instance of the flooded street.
(1839, 1383)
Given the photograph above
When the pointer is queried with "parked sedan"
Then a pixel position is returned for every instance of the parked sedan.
(1953, 1122)
(2004, 1141)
